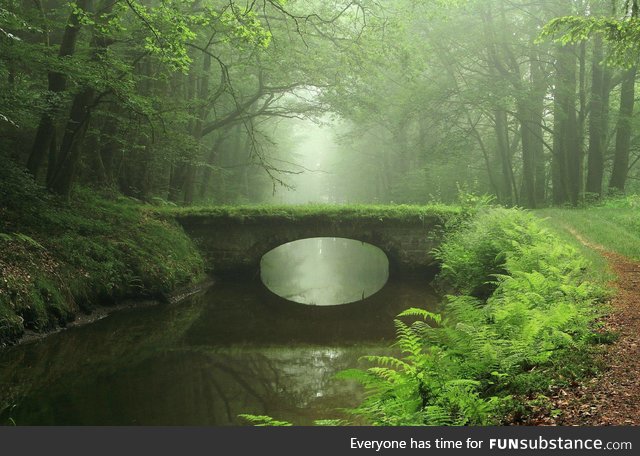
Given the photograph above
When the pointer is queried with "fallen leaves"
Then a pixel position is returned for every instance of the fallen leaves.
(613, 397)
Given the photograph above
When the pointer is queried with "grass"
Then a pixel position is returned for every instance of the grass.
(401, 212)
(615, 225)
(616, 229)
(560, 224)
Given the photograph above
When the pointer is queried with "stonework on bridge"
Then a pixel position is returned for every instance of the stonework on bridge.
(236, 244)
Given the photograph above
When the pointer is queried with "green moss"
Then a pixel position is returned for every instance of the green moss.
(58, 307)
(72, 256)
(34, 313)
(11, 325)
(400, 212)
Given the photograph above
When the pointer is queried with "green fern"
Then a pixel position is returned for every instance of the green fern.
(263, 420)
(416, 312)
(464, 369)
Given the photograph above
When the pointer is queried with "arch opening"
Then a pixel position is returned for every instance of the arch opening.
(325, 271)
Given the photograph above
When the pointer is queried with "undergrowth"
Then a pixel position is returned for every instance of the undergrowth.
(57, 258)
(519, 324)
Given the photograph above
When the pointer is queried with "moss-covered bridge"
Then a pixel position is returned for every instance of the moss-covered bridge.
(234, 239)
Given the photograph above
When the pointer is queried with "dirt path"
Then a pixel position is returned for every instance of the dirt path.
(613, 397)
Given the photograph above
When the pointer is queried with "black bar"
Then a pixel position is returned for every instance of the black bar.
(325, 441)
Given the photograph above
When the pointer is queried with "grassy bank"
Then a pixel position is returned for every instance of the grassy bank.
(58, 258)
(615, 224)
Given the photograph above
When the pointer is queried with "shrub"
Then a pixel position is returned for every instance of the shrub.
(464, 367)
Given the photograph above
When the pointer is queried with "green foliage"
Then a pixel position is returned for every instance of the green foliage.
(621, 201)
(465, 368)
(622, 36)
(475, 254)
(263, 420)
(21, 199)
(419, 388)
(72, 256)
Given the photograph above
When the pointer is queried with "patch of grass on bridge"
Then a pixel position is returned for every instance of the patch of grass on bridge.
(323, 211)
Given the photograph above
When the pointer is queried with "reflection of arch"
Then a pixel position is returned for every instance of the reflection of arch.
(325, 271)
(237, 245)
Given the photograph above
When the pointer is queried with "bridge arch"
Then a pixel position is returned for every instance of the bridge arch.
(235, 245)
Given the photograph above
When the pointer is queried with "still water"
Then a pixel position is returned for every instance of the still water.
(325, 271)
(236, 348)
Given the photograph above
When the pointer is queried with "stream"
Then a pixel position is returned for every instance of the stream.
(235, 348)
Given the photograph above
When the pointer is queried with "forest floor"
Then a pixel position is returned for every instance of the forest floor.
(613, 396)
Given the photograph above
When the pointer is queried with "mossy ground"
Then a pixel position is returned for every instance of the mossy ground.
(59, 258)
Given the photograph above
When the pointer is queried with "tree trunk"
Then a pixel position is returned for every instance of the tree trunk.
(70, 150)
(565, 131)
(595, 165)
(623, 132)
(107, 149)
(57, 84)
(576, 152)
(203, 95)
(211, 159)
(507, 195)
(61, 180)
(527, 194)
(180, 168)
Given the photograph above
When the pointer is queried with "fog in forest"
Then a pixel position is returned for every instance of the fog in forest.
(216, 102)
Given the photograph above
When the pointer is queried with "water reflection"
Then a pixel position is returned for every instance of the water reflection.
(200, 386)
(325, 271)
(235, 349)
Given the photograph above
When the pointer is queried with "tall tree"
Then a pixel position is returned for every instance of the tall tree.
(595, 169)
(623, 131)
(45, 136)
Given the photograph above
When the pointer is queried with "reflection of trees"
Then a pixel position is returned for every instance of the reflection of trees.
(69, 358)
(202, 385)
(237, 372)
(273, 381)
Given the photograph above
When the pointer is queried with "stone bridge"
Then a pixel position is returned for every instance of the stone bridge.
(234, 244)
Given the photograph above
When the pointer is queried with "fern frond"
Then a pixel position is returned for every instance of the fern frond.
(263, 420)
(389, 361)
(422, 313)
